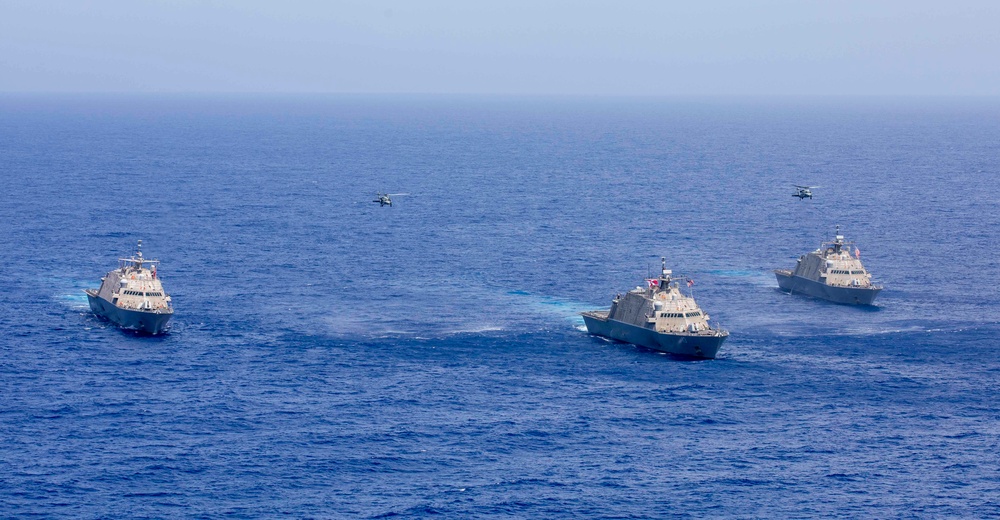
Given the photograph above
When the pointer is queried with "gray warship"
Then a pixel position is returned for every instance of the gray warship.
(659, 317)
(132, 296)
(831, 273)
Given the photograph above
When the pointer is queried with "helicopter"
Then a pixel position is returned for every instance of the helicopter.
(384, 199)
(804, 192)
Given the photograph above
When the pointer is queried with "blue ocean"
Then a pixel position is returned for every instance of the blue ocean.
(332, 358)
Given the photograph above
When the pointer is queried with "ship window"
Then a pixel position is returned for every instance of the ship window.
(693, 314)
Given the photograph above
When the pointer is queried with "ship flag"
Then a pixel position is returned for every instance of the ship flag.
(857, 252)
(653, 282)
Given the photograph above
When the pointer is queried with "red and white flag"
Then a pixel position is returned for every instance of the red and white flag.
(652, 282)
(857, 252)
(690, 282)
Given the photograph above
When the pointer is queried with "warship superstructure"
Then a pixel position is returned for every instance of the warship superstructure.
(132, 296)
(659, 317)
(831, 273)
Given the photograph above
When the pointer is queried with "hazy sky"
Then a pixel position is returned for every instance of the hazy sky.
(695, 47)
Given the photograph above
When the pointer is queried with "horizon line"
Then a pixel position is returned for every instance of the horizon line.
(209, 93)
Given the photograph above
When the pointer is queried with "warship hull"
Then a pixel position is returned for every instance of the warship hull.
(845, 295)
(147, 322)
(705, 344)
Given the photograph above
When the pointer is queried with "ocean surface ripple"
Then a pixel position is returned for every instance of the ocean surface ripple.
(334, 358)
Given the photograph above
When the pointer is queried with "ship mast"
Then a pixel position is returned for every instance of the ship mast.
(664, 273)
(838, 241)
(136, 261)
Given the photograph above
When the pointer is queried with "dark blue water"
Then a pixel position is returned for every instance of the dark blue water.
(331, 358)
